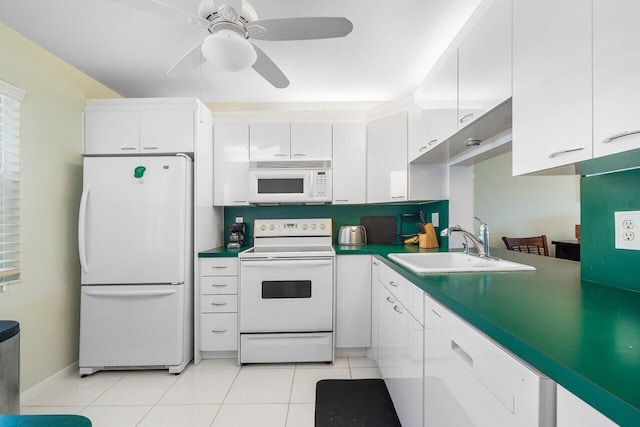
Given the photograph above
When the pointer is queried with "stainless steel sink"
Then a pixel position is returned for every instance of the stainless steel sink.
(454, 262)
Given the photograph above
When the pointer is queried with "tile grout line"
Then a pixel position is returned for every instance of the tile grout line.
(226, 395)
(164, 394)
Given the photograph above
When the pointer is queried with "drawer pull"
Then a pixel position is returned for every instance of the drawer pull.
(424, 147)
(149, 148)
(219, 266)
(342, 200)
(397, 309)
(389, 299)
(219, 286)
(621, 135)
(218, 303)
(376, 263)
(238, 201)
(299, 155)
(462, 355)
(433, 141)
(397, 197)
(129, 148)
(281, 155)
(393, 284)
(465, 117)
(218, 331)
(436, 313)
(568, 150)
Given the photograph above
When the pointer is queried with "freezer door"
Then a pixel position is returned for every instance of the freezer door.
(128, 326)
(133, 221)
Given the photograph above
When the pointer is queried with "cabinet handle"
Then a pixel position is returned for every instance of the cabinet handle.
(376, 263)
(462, 355)
(128, 148)
(393, 284)
(299, 155)
(433, 141)
(397, 309)
(435, 312)
(281, 155)
(219, 266)
(342, 200)
(397, 197)
(218, 303)
(219, 286)
(621, 135)
(218, 331)
(389, 299)
(424, 147)
(465, 117)
(150, 148)
(238, 201)
(568, 150)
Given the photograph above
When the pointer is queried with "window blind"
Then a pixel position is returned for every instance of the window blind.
(10, 97)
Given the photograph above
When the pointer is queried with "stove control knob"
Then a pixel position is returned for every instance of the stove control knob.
(272, 227)
(304, 226)
(263, 227)
(313, 226)
(322, 226)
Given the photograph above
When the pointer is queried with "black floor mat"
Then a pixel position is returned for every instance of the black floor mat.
(366, 403)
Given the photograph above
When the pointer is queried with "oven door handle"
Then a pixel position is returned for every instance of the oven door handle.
(287, 263)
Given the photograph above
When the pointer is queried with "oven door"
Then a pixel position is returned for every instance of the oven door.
(286, 295)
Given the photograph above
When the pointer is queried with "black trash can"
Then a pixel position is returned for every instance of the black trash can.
(9, 367)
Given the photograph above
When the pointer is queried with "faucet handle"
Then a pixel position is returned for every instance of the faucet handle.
(481, 221)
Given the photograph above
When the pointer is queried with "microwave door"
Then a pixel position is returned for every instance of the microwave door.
(277, 186)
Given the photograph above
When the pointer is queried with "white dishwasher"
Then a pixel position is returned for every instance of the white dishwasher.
(471, 381)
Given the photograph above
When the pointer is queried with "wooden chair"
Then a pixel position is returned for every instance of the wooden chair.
(533, 245)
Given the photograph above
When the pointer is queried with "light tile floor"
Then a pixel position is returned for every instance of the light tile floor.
(215, 393)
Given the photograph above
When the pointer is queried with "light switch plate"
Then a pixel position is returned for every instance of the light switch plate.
(239, 219)
(627, 230)
(435, 219)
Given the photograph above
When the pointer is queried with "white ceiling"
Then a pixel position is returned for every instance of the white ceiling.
(392, 47)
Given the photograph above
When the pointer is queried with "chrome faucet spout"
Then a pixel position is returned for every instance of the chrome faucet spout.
(479, 244)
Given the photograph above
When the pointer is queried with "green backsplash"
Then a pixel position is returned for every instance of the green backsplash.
(601, 196)
(341, 214)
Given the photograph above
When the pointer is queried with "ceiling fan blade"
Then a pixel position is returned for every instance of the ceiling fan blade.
(269, 70)
(157, 8)
(300, 28)
(189, 61)
(206, 8)
(236, 5)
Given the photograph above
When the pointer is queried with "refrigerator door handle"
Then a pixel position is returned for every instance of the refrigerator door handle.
(154, 293)
(82, 220)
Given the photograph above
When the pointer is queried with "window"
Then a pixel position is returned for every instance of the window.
(10, 97)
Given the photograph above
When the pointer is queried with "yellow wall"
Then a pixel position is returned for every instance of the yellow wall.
(46, 302)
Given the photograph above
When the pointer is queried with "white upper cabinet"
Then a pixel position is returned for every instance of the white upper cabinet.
(387, 159)
(349, 163)
(439, 98)
(616, 67)
(231, 164)
(484, 64)
(295, 141)
(311, 141)
(123, 126)
(270, 141)
(552, 97)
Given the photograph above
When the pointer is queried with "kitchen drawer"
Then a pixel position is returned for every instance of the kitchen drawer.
(218, 285)
(218, 267)
(406, 292)
(219, 332)
(219, 303)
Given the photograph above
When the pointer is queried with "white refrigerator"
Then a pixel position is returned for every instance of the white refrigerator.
(135, 241)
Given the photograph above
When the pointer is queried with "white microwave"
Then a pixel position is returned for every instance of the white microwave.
(290, 185)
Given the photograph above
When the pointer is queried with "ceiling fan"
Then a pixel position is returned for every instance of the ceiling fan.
(232, 25)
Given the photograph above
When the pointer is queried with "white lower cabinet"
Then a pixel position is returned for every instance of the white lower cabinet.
(353, 301)
(471, 381)
(217, 319)
(398, 344)
(573, 411)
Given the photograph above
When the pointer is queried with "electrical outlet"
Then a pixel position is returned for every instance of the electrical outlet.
(627, 229)
(435, 219)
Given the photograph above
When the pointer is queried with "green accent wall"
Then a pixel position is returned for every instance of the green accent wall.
(341, 215)
(601, 196)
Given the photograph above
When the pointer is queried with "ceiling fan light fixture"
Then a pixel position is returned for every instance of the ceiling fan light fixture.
(229, 51)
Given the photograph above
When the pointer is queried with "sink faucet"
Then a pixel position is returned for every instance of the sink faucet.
(481, 243)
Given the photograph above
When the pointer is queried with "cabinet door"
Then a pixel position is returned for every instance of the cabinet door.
(484, 61)
(353, 301)
(616, 67)
(231, 164)
(269, 141)
(552, 96)
(439, 99)
(311, 141)
(111, 132)
(167, 131)
(387, 159)
(572, 411)
(349, 163)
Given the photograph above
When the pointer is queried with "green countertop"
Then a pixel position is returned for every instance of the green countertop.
(583, 335)
(222, 251)
(44, 421)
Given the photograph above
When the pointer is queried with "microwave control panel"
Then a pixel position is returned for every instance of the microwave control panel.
(322, 185)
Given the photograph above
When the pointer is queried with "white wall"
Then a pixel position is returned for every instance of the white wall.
(525, 206)
(47, 301)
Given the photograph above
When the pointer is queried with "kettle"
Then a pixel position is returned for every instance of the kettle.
(352, 235)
